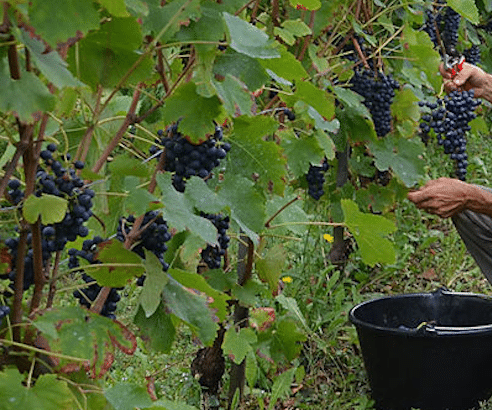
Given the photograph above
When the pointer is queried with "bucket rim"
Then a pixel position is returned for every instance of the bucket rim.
(425, 329)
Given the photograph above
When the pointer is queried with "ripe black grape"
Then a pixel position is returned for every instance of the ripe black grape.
(316, 179)
(450, 118)
(378, 91)
(212, 255)
(451, 26)
(185, 159)
(472, 55)
(52, 178)
(153, 238)
(4, 311)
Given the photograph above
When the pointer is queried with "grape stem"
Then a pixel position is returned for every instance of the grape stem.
(267, 223)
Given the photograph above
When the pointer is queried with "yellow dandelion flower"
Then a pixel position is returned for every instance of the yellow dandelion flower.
(328, 237)
(287, 279)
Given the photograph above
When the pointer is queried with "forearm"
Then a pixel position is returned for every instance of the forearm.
(479, 199)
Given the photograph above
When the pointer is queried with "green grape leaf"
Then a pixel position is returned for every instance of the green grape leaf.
(158, 330)
(290, 304)
(164, 404)
(51, 65)
(301, 152)
(251, 371)
(48, 393)
(325, 143)
(171, 16)
(192, 309)
(353, 127)
(319, 99)
(127, 396)
(271, 266)
(79, 333)
(209, 27)
(25, 96)
(467, 8)
(418, 49)
(116, 8)
(281, 385)
(196, 111)
(247, 39)
(307, 4)
(138, 200)
(197, 282)
(289, 339)
(43, 14)
(246, 204)
(50, 208)
(105, 56)
(155, 280)
(245, 68)
(322, 125)
(289, 216)
(238, 344)
(125, 165)
(179, 212)
(235, 97)
(404, 106)
(290, 29)
(402, 155)
(369, 231)
(202, 197)
(251, 155)
(352, 99)
(286, 67)
(376, 197)
(119, 265)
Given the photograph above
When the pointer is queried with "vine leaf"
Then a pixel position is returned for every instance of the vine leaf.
(42, 14)
(175, 14)
(320, 100)
(158, 330)
(467, 8)
(24, 96)
(288, 339)
(235, 96)
(179, 211)
(105, 56)
(127, 265)
(164, 404)
(50, 64)
(290, 29)
(402, 155)
(48, 393)
(192, 309)
(127, 396)
(270, 267)
(369, 231)
(80, 333)
(218, 300)
(286, 67)
(245, 68)
(138, 199)
(116, 8)
(301, 152)
(196, 112)
(252, 155)
(249, 40)
(50, 208)
(155, 280)
(238, 344)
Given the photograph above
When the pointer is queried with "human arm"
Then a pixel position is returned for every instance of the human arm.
(470, 77)
(446, 197)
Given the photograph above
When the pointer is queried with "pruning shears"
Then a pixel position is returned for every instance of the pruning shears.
(453, 63)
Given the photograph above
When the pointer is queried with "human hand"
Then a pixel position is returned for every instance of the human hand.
(444, 197)
(470, 77)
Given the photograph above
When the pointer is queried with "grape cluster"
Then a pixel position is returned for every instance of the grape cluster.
(186, 159)
(153, 238)
(316, 179)
(472, 55)
(212, 254)
(452, 21)
(378, 92)
(88, 295)
(449, 118)
(4, 311)
(432, 21)
(52, 178)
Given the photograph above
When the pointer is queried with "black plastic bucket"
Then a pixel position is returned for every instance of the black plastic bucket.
(431, 351)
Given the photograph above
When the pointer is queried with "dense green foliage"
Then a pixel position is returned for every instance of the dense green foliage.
(269, 86)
